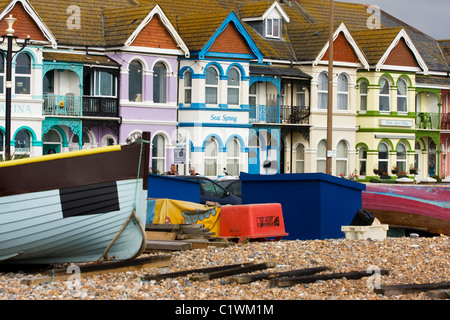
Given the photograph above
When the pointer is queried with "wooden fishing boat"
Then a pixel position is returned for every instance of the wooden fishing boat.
(424, 207)
(81, 206)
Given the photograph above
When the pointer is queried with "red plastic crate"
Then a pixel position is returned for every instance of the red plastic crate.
(252, 221)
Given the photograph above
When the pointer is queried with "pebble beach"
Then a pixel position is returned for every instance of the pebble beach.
(409, 260)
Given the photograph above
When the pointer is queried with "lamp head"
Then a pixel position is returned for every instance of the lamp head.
(10, 21)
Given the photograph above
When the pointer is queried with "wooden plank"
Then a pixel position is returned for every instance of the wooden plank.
(160, 235)
(264, 276)
(392, 290)
(162, 227)
(233, 271)
(202, 243)
(195, 236)
(168, 245)
(438, 294)
(102, 268)
(352, 275)
(184, 273)
(194, 230)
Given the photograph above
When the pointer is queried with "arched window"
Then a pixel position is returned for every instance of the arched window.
(159, 83)
(52, 142)
(383, 158)
(363, 90)
(341, 158)
(187, 76)
(135, 81)
(211, 157)
(342, 92)
(362, 155)
(401, 158)
(158, 153)
(402, 96)
(384, 95)
(233, 87)
(23, 142)
(211, 87)
(233, 157)
(322, 156)
(323, 91)
(300, 159)
(23, 74)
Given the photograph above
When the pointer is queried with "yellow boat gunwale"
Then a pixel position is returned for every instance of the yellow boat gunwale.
(56, 156)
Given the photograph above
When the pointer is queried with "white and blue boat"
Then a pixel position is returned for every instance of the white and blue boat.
(81, 206)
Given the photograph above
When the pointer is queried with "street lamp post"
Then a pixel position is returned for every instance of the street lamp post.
(11, 40)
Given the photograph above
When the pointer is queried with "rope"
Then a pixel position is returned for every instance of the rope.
(133, 215)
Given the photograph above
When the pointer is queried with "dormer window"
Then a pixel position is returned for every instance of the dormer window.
(273, 28)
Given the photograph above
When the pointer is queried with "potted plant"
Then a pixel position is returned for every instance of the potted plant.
(376, 171)
(394, 169)
(412, 169)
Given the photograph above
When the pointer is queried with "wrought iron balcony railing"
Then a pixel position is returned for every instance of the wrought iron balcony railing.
(62, 105)
(279, 114)
(100, 107)
(425, 120)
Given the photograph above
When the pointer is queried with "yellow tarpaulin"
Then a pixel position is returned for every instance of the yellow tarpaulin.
(168, 211)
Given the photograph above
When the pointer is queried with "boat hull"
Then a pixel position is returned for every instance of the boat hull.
(35, 229)
(92, 206)
(420, 207)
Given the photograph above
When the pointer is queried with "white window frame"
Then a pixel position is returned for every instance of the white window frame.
(322, 91)
(160, 157)
(233, 157)
(382, 160)
(23, 75)
(233, 86)
(342, 157)
(402, 97)
(385, 95)
(139, 93)
(212, 86)
(322, 156)
(362, 159)
(363, 93)
(342, 92)
(162, 83)
(300, 158)
(23, 151)
(96, 89)
(187, 82)
(211, 154)
(401, 162)
(273, 31)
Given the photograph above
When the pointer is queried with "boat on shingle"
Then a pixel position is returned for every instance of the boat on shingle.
(81, 206)
(415, 206)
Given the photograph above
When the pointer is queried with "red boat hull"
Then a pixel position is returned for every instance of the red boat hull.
(422, 207)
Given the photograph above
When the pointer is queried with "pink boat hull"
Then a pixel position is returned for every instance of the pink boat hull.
(422, 207)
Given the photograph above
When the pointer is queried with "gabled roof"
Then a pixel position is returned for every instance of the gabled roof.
(8, 6)
(378, 44)
(260, 10)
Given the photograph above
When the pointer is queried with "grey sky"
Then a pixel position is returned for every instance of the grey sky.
(429, 16)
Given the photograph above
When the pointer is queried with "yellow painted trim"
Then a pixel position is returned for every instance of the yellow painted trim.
(63, 155)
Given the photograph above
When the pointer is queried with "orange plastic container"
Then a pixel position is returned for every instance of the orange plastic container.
(252, 221)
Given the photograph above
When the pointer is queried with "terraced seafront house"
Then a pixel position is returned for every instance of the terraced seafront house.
(241, 85)
(91, 77)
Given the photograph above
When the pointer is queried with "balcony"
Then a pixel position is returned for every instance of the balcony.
(279, 114)
(426, 120)
(445, 121)
(62, 105)
(100, 107)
